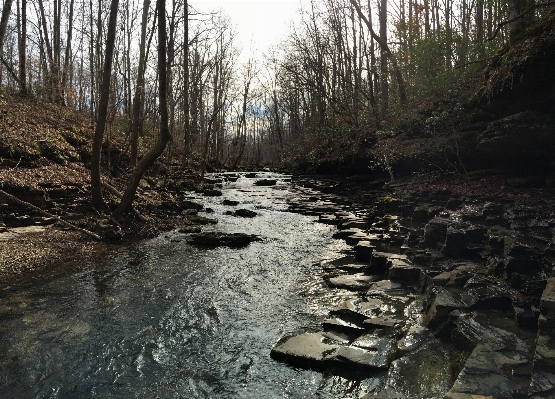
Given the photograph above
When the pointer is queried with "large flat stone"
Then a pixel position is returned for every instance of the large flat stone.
(352, 282)
(309, 350)
(368, 351)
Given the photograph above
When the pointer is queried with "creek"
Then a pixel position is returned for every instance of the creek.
(164, 319)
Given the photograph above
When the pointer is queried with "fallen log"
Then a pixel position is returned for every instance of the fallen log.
(63, 222)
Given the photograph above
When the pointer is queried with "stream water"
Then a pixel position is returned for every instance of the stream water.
(163, 319)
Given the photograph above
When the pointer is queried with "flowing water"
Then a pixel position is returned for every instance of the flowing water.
(163, 319)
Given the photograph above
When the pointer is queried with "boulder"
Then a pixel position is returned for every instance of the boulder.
(435, 232)
(440, 303)
(364, 251)
(464, 241)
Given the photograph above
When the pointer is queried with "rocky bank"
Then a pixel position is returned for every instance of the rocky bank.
(433, 268)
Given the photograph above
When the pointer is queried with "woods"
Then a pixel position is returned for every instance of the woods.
(347, 71)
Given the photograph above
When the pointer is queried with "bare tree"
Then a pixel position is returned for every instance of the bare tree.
(150, 157)
(96, 183)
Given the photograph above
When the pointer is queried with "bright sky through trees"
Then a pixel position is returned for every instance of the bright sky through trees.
(260, 22)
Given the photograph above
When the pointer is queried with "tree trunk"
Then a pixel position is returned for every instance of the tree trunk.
(22, 45)
(384, 55)
(383, 45)
(4, 22)
(125, 205)
(522, 17)
(67, 57)
(96, 184)
(138, 98)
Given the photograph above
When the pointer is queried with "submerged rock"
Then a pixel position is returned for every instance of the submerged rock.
(265, 182)
(217, 239)
(245, 213)
(228, 202)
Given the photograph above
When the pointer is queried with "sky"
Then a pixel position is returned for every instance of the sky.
(259, 23)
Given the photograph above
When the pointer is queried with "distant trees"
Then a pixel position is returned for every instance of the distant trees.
(347, 68)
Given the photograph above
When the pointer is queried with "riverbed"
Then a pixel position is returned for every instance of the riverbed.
(165, 319)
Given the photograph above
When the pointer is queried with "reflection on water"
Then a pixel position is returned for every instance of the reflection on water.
(165, 320)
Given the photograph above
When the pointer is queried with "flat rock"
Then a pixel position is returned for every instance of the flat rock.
(388, 287)
(542, 382)
(309, 350)
(339, 326)
(383, 322)
(387, 393)
(352, 282)
(400, 270)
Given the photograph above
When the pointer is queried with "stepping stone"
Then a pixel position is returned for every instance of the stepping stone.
(352, 282)
(328, 219)
(309, 350)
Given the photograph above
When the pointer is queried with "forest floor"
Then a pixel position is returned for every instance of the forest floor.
(44, 155)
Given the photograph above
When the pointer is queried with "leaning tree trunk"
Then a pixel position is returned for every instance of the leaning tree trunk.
(125, 205)
(96, 184)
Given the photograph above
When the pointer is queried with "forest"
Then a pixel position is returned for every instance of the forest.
(170, 79)
(365, 211)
